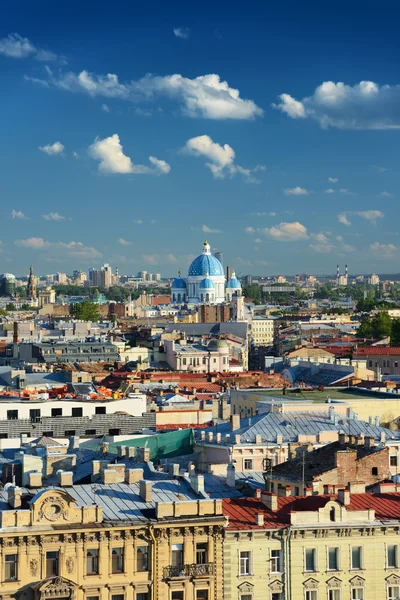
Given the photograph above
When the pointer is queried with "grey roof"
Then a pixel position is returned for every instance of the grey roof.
(290, 425)
(44, 378)
(45, 442)
(120, 501)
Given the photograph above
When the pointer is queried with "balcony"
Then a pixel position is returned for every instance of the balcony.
(186, 571)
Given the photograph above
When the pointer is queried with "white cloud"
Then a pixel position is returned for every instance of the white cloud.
(322, 248)
(379, 168)
(18, 214)
(182, 32)
(250, 230)
(138, 221)
(53, 216)
(207, 229)
(385, 195)
(347, 192)
(171, 258)
(264, 214)
(370, 215)
(151, 259)
(105, 108)
(124, 242)
(52, 149)
(296, 191)
(16, 46)
(325, 245)
(329, 191)
(384, 251)
(287, 232)
(221, 158)
(33, 242)
(344, 220)
(109, 152)
(333, 179)
(365, 105)
(205, 96)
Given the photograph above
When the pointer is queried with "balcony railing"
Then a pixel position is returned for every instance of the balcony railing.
(183, 571)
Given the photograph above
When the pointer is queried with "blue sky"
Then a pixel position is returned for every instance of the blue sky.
(130, 134)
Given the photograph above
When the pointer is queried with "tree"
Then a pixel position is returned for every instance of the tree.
(378, 327)
(252, 291)
(25, 307)
(85, 311)
(11, 306)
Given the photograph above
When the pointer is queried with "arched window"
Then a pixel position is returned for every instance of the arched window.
(207, 297)
(202, 297)
(179, 297)
(173, 297)
(332, 514)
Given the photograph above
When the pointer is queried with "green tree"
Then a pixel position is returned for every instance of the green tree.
(25, 307)
(252, 291)
(376, 327)
(11, 306)
(85, 311)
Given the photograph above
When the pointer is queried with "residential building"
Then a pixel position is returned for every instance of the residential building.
(382, 360)
(197, 358)
(63, 352)
(373, 279)
(262, 331)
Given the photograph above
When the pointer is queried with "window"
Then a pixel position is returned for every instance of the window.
(374, 471)
(178, 595)
(177, 555)
(276, 596)
(296, 491)
(100, 410)
(77, 411)
(310, 559)
(392, 561)
(12, 415)
(332, 514)
(275, 561)
(248, 464)
(357, 594)
(142, 558)
(69, 432)
(34, 415)
(117, 559)
(11, 567)
(90, 432)
(311, 595)
(245, 560)
(333, 559)
(202, 553)
(51, 564)
(246, 597)
(396, 364)
(334, 595)
(92, 598)
(356, 557)
(118, 597)
(92, 562)
(56, 412)
(393, 461)
(142, 596)
(393, 592)
(201, 594)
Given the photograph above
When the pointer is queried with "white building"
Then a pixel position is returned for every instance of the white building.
(373, 279)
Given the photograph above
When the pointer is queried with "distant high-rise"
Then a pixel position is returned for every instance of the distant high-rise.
(219, 256)
(101, 277)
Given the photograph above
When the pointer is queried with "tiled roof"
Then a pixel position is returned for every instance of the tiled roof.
(377, 351)
(242, 511)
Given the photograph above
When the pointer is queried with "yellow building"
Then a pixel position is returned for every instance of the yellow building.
(331, 547)
(120, 538)
(262, 331)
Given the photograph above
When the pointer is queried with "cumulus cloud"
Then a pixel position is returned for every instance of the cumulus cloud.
(333, 179)
(384, 251)
(18, 214)
(205, 96)
(53, 216)
(124, 242)
(221, 158)
(287, 232)
(365, 105)
(182, 32)
(109, 152)
(138, 221)
(34, 243)
(52, 149)
(151, 259)
(296, 191)
(385, 195)
(368, 215)
(324, 244)
(16, 46)
(105, 108)
(329, 191)
(207, 229)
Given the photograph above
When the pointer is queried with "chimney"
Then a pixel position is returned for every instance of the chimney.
(342, 438)
(308, 491)
(143, 454)
(230, 476)
(104, 447)
(369, 441)
(35, 479)
(258, 439)
(146, 490)
(235, 422)
(344, 496)
(197, 483)
(356, 487)
(376, 421)
(133, 475)
(270, 500)
(73, 443)
(260, 519)
(14, 497)
(257, 494)
(65, 478)
(173, 470)
(228, 273)
(332, 414)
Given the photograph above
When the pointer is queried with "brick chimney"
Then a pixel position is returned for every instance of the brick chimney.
(344, 496)
(235, 422)
(146, 490)
(270, 500)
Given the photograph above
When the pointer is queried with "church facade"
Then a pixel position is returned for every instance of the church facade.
(205, 282)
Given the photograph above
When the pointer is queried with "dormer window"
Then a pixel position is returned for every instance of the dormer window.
(332, 514)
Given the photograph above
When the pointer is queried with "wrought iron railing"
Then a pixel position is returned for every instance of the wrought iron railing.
(194, 570)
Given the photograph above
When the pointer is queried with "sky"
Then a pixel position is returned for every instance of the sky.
(130, 133)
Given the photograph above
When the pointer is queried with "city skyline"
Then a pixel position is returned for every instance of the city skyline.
(137, 138)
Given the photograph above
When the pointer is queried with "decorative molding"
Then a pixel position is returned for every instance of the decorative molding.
(246, 587)
(393, 579)
(357, 581)
(334, 583)
(310, 584)
(276, 586)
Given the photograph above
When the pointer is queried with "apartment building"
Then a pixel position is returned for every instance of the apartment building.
(262, 331)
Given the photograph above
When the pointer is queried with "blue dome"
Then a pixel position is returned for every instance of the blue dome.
(234, 283)
(206, 263)
(206, 284)
(179, 283)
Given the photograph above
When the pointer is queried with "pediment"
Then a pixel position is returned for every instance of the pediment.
(56, 587)
(276, 586)
(334, 583)
(246, 587)
(310, 584)
(393, 579)
(56, 506)
(357, 581)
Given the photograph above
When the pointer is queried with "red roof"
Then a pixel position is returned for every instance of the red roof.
(377, 351)
(242, 511)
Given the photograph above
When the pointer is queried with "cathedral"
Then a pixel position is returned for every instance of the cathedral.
(206, 282)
